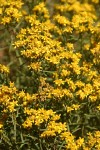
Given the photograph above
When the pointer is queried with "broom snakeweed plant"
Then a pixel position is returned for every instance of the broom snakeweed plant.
(49, 75)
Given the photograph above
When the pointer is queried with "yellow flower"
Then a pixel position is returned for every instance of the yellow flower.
(0, 11)
(98, 107)
(65, 73)
(4, 69)
(1, 125)
(81, 94)
(70, 46)
(62, 20)
(41, 9)
(6, 20)
(35, 66)
(73, 107)
(69, 109)
(11, 106)
(86, 46)
(59, 82)
(39, 116)
(95, 1)
(80, 142)
(54, 128)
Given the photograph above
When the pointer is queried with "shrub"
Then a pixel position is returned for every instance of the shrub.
(49, 75)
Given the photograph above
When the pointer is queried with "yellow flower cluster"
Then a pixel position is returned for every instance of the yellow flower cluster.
(73, 107)
(94, 140)
(53, 129)
(41, 11)
(10, 11)
(37, 117)
(8, 97)
(4, 69)
(54, 93)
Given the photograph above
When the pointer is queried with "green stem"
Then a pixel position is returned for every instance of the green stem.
(14, 124)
